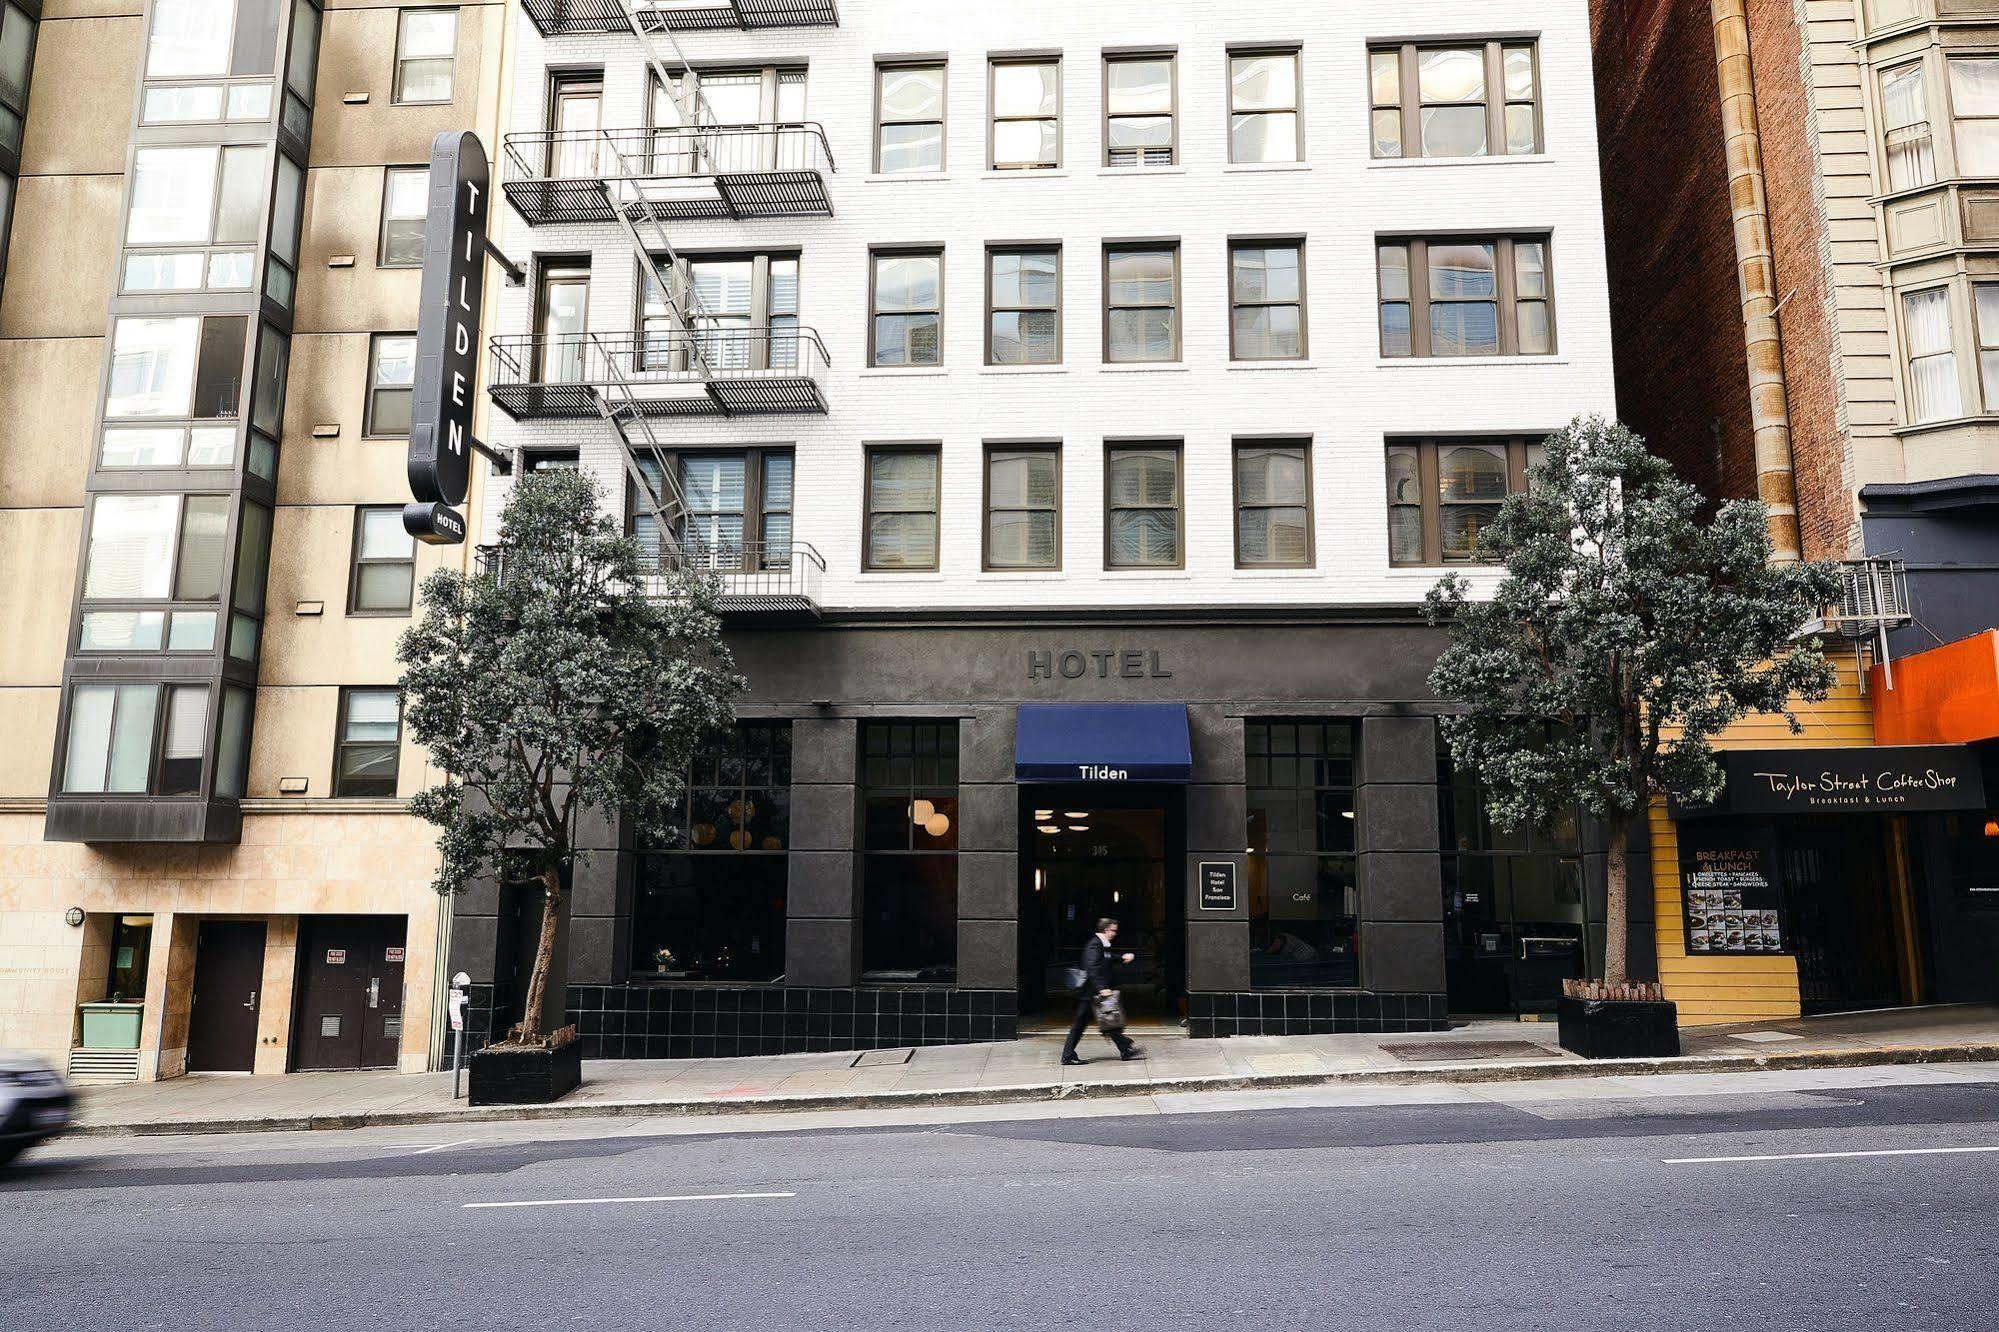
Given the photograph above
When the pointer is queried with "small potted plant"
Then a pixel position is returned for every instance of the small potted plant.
(663, 959)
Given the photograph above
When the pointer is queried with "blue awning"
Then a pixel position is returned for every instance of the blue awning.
(1102, 742)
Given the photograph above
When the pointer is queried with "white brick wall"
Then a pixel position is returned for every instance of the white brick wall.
(1346, 397)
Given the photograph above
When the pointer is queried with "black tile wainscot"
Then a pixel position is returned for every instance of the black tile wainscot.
(703, 1022)
(1311, 1013)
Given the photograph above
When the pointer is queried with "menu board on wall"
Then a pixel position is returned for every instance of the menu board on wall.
(1729, 894)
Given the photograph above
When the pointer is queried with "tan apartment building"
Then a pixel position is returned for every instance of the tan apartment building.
(1802, 206)
(206, 327)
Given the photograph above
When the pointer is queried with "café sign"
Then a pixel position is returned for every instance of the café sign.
(1888, 779)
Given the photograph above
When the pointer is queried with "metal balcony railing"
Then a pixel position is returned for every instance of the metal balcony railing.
(696, 171)
(738, 371)
(753, 577)
(551, 17)
(757, 577)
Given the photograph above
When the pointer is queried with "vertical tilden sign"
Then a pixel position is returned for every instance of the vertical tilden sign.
(447, 337)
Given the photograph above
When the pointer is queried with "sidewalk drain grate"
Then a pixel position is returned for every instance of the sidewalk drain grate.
(881, 1058)
(1426, 1050)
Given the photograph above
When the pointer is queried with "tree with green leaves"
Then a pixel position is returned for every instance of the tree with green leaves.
(552, 682)
(1625, 634)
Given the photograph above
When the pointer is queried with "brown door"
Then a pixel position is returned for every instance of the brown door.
(228, 971)
(350, 1012)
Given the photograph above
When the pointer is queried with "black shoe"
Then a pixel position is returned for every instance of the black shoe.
(1133, 1052)
(1071, 1060)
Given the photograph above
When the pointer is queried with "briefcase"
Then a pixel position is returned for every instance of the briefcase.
(1110, 1011)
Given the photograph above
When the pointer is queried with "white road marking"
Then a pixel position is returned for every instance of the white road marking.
(434, 1147)
(662, 1198)
(1826, 1156)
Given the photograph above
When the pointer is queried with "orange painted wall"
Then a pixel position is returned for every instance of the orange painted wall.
(1948, 695)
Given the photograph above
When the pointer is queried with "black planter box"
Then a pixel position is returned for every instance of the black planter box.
(1619, 1028)
(501, 1076)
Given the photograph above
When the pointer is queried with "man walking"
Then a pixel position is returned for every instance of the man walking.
(1101, 970)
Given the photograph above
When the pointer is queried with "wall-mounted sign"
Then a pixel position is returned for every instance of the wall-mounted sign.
(1730, 898)
(1891, 779)
(336, 957)
(392, 955)
(1096, 664)
(447, 337)
(1218, 885)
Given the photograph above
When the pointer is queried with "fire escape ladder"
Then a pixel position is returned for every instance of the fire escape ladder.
(619, 406)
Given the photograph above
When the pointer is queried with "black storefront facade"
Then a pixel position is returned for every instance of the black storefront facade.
(920, 817)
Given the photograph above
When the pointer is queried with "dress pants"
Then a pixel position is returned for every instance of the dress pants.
(1086, 1013)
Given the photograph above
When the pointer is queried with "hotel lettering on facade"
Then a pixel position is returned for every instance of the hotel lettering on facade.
(1075, 405)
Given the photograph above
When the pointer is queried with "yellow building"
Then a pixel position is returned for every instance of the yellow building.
(1798, 891)
(206, 858)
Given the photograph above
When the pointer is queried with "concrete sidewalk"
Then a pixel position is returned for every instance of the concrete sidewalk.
(1027, 1070)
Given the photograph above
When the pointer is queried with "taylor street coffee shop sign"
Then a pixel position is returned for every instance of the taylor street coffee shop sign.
(1891, 779)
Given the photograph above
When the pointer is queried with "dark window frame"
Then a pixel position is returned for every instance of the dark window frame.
(1169, 54)
(1178, 306)
(1520, 454)
(1052, 447)
(1292, 242)
(943, 122)
(756, 458)
(1252, 51)
(1303, 444)
(875, 255)
(357, 561)
(897, 793)
(1410, 100)
(994, 249)
(1505, 297)
(1261, 738)
(1113, 447)
(993, 118)
(869, 452)
(342, 745)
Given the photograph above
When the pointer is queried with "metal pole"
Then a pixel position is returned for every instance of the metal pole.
(457, 1059)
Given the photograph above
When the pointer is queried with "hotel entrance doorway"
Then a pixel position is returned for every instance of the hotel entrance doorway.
(1094, 850)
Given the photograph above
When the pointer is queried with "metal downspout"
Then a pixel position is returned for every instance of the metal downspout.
(1769, 402)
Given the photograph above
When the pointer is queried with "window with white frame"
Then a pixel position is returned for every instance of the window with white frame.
(405, 200)
(1974, 109)
(1905, 124)
(1985, 301)
(1933, 391)
(391, 384)
(426, 55)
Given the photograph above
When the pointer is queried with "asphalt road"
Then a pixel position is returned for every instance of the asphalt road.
(1545, 1206)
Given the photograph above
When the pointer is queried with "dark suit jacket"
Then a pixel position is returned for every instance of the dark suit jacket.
(1101, 966)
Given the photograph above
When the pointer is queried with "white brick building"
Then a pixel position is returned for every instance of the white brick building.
(1326, 631)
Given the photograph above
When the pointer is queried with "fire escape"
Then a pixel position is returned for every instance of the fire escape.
(699, 364)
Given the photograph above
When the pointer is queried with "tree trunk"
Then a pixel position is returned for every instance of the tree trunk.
(544, 952)
(1616, 903)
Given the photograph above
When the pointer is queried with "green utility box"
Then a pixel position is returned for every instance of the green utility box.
(111, 1026)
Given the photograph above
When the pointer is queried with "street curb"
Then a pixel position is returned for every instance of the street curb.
(1526, 1070)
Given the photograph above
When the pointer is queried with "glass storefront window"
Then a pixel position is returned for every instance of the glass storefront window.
(1513, 902)
(1304, 898)
(909, 928)
(131, 952)
(711, 906)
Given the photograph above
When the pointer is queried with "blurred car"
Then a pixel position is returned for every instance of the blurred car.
(35, 1104)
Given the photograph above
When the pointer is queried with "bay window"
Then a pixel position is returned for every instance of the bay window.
(1933, 389)
(1905, 121)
